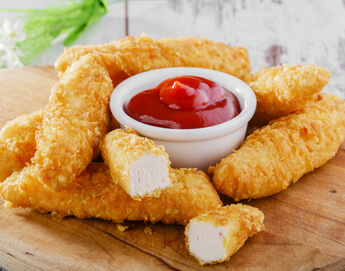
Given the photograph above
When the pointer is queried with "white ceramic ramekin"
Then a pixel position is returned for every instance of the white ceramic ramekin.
(195, 148)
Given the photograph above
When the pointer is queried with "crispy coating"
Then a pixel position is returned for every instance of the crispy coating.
(242, 222)
(283, 151)
(121, 149)
(284, 89)
(94, 194)
(17, 143)
(75, 120)
(131, 56)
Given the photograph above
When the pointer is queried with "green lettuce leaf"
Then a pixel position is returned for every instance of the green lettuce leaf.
(69, 17)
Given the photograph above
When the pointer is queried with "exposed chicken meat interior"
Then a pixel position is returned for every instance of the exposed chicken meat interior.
(140, 167)
(206, 241)
(149, 173)
(216, 235)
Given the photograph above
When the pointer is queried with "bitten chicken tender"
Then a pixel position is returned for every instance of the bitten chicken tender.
(215, 236)
(131, 56)
(282, 152)
(94, 194)
(284, 89)
(140, 167)
(17, 143)
(75, 121)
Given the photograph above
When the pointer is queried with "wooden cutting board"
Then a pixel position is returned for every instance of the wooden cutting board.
(305, 224)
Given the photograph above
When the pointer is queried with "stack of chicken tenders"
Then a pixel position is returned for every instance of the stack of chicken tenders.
(69, 160)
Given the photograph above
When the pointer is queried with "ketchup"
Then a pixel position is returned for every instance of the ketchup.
(184, 102)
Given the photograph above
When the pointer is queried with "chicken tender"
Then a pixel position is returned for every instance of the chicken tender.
(215, 236)
(17, 143)
(94, 194)
(131, 56)
(284, 89)
(278, 154)
(75, 121)
(140, 167)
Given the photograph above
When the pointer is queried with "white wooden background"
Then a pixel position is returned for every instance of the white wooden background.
(274, 31)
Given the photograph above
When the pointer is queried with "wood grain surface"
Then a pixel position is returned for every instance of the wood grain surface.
(305, 224)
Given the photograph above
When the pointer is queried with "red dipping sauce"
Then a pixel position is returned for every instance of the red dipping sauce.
(184, 102)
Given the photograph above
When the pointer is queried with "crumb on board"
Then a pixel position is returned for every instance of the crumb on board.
(121, 227)
(148, 230)
(8, 204)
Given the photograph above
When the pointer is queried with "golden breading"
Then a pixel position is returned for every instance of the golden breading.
(284, 89)
(139, 166)
(131, 56)
(17, 143)
(94, 194)
(282, 152)
(216, 235)
(75, 120)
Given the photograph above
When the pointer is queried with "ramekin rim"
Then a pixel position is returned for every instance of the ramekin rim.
(242, 91)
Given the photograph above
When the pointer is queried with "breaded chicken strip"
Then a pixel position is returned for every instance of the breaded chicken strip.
(75, 120)
(17, 143)
(275, 156)
(94, 194)
(284, 89)
(131, 56)
(215, 236)
(139, 166)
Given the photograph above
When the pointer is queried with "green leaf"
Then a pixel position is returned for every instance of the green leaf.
(99, 9)
(42, 26)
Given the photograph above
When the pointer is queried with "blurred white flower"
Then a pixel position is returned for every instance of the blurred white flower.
(10, 34)
(10, 58)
